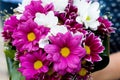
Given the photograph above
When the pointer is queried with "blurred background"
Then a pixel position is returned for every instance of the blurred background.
(6, 6)
(108, 7)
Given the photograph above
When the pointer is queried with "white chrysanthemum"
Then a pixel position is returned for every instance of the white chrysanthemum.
(48, 20)
(54, 30)
(21, 7)
(88, 13)
(59, 5)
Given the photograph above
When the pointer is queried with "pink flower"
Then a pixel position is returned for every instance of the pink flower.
(66, 52)
(27, 36)
(105, 27)
(35, 7)
(94, 47)
(9, 26)
(33, 64)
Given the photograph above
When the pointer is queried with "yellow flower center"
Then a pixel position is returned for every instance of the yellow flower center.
(88, 18)
(83, 72)
(38, 64)
(87, 48)
(31, 36)
(65, 52)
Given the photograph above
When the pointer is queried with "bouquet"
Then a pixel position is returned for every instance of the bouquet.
(56, 40)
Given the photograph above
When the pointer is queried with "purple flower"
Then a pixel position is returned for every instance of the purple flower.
(35, 7)
(94, 47)
(33, 64)
(105, 27)
(9, 26)
(27, 36)
(69, 18)
(65, 51)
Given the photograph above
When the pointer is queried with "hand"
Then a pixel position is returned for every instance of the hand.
(112, 71)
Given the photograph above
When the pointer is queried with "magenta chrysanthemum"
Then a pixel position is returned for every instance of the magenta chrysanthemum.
(105, 27)
(94, 47)
(27, 35)
(35, 7)
(9, 26)
(65, 52)
(33, 64)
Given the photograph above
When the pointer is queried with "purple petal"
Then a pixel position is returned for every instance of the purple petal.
(44, 69)
(51, 49)
(29, 72)
(62, 65)
(71, 64)
(96, 58)
(27, 65)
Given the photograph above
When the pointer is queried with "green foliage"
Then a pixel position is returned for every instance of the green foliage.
(12, 68)
(9, 52)
(12, 64)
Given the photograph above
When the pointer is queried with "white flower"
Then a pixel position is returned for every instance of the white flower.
(58, 29)
(88, 13)
(21, 7)
(48, 20)
(59, 5)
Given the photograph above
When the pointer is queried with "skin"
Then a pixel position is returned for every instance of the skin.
(112, 71)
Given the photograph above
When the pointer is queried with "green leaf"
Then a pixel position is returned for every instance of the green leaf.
(12, 68)
(107, 47)
(15, 75)
(9, 52)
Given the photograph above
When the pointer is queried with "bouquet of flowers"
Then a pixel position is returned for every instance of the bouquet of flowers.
(56, 40)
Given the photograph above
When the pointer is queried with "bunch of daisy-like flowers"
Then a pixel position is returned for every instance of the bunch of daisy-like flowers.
(57, 39)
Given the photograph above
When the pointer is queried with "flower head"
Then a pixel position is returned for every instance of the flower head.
(33, 8)
(86, 15)
(33, 64)
(105, 26)
(10, 26)
(65, 51)
(94, 47)
(28, 34)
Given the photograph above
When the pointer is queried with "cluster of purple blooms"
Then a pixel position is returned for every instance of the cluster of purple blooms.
(52, 42)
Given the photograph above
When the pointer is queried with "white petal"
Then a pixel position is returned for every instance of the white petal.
(43, 42)
(48, 20)
(94, 11)
(60, 5)
(58, 29)
(18, 16)
(94, 25)
(79, 19)
(39, 19)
